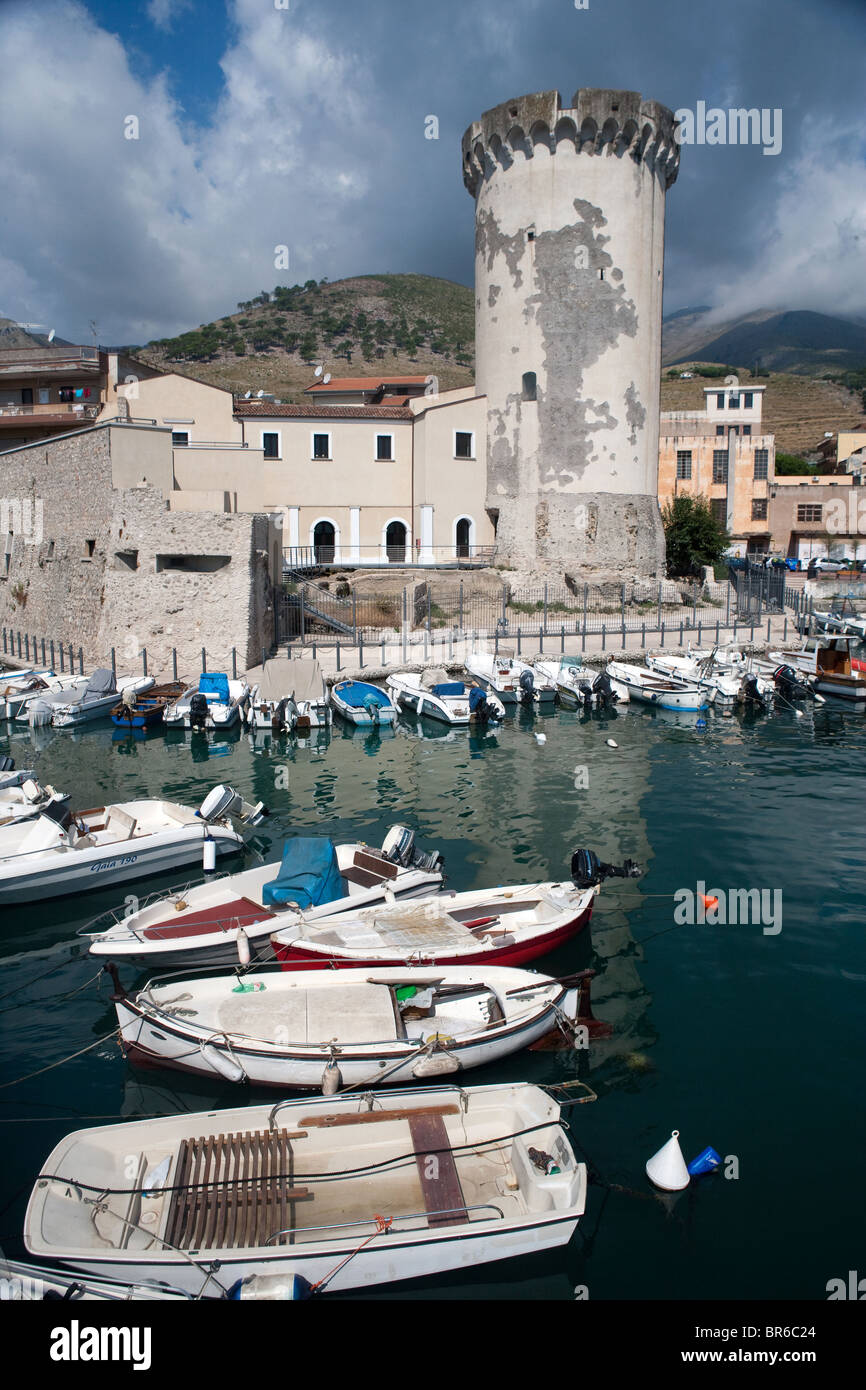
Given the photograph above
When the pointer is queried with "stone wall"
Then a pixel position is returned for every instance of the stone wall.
(98, 567)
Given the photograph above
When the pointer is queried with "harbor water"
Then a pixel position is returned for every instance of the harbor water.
(745, 1036)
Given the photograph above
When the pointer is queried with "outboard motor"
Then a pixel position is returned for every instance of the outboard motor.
(480, 707)
(371, 705)
(282, 717)
(399, 847)
(225, 801)
(587, 870)
(789, 685)
(750, 692)
(584, 694)
(604, 693)
(527, 687)
(198, 711)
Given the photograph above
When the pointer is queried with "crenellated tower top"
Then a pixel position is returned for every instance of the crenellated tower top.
(598, 122)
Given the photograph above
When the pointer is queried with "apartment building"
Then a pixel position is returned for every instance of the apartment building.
(723, 454)
(50, 390)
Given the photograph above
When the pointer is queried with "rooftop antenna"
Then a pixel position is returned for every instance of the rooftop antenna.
(93, 329)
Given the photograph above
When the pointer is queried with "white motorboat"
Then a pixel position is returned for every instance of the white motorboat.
(826, 662)
(67, 708)
(58, 853)
(288, 695)
(27, 1283)
(726, 687)
(352, 1190)
(326, 1029)
(210, 924)
(513, 924)
(579, 686)
(513, 681)
(17, 690)
(27, 798)
(214, 702)
(433, 695)
(650, 688)
(363, 704)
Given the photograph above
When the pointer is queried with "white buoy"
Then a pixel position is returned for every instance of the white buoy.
(243, 945)
(541, 738)
(667, 1168)
(611, 744)
(209, 855)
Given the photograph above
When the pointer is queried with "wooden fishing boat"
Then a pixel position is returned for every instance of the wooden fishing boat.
(209, 924)
(350, 1190)
(325, 1029)
(826, 661)
(145, 711)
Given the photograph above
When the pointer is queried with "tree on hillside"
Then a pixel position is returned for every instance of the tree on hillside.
(789, 465)
(693, 536)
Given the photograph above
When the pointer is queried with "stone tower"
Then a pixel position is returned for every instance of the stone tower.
(569, 246)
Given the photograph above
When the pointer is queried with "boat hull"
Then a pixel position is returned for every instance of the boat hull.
(294, 956)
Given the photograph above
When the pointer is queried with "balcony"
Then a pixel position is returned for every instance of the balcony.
(58, 414)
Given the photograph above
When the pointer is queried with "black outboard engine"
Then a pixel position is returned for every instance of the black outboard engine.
(604, 693)
(281, 718)
(587, 870)
(399, 846)
(750, 692)
(479, 707)
(789, 685)
(198, 711)
(527, 687)
(584, 694)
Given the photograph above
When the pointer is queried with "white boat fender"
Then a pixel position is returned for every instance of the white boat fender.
(208, 856)
(541, 738)
(332, 1078)
(220, 1061)
(282, 1288)
(243, 945)
(611, 744)
(667, 1168)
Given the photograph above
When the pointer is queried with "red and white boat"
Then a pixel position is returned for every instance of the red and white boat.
(512, 925)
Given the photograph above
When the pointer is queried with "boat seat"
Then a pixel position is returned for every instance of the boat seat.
(121, 824)
(440, 1181)
(375, 863)
(213, 1210)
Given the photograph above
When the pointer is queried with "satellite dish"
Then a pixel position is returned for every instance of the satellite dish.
(319, 369)
(326, 378)
(247, 396)
(259, 395)
(51, 335)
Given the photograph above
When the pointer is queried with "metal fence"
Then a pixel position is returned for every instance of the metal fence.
(308, 613)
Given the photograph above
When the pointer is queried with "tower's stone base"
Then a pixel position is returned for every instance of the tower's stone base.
(593, 535)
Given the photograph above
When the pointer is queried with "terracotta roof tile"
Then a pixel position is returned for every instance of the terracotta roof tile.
(270, 410)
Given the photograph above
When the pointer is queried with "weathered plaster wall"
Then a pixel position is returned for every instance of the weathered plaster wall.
(569, 252)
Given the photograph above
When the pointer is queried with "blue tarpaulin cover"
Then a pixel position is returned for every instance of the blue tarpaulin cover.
(356, 694)
(215, 683)
(309, 875)
(449, 688)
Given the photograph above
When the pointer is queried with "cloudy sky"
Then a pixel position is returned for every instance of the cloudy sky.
(302, 123)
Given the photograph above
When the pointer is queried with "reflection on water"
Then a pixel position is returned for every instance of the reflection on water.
(705, 1021)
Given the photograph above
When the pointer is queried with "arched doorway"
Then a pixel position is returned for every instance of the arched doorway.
(463, 538)
(324, 542)
(395, 542)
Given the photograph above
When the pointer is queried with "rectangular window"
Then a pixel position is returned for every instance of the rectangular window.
(720, 465)
(321, 446)
(747, 429)
(720, 429)
(720, 401)
(271, 444)
(748, 400)
(734, 403)
(684, 463)
(44, 395)
(759, 509)
(385, 448)
(27, 395)
(464, 444)
(810, 511)
(762, 459)
(179, 439)
(719, 506)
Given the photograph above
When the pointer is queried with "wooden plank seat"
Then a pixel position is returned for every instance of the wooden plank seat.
(240, 912)
(239, 1190)
(440, 1181)
(369, 869)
